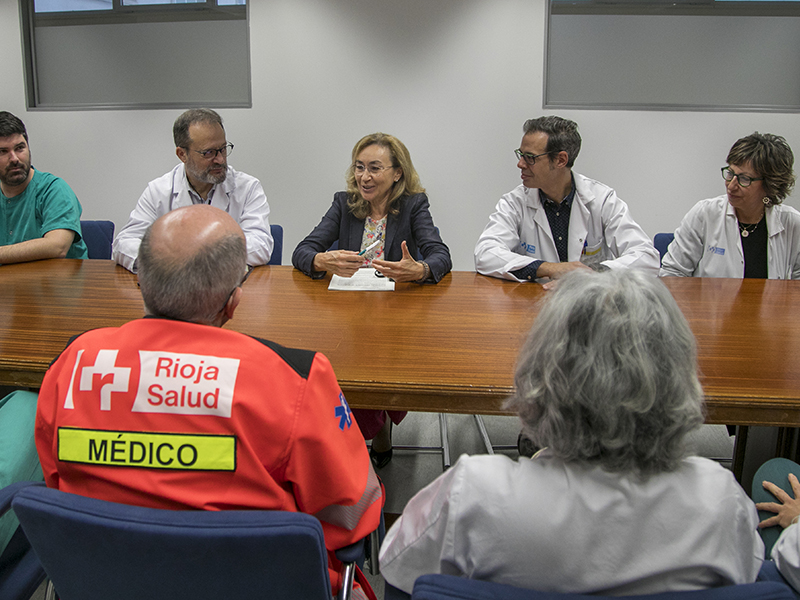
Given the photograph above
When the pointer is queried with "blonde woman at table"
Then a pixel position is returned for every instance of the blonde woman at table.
(746, 232)
(613, 505)
(385, 213)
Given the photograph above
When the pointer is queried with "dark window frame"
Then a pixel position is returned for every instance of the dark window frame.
(743, 8)
(150, 13)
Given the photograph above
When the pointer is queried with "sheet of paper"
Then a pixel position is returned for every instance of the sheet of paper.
(364, 280)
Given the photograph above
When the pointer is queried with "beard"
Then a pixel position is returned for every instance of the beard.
(15, 175)
(205, 175)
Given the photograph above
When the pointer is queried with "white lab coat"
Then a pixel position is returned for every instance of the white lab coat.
(240, 195)
(571, 527)
(601, 230)
(786, 554)
(708, 243)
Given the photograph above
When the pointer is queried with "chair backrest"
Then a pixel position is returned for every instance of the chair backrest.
(92, 549)
(277, 249)
(98, 237)
(447, 587)
(21, 573)
(662, 242)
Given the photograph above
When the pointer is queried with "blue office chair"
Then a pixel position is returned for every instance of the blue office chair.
(21, 573)
(777, 471)
(92, 550)
(447, 587)
(277, 249)
(98, 237)
(662, 242)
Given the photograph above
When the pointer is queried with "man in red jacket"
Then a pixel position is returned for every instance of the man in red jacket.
(172, 411)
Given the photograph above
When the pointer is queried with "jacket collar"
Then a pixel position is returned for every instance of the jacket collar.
(774, 224)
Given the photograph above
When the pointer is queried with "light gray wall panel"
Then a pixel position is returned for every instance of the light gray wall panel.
(144, 63)
(669, 61)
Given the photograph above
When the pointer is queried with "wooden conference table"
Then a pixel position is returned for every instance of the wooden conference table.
(449, 347)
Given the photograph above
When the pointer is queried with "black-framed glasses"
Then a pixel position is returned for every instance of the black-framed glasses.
(241, 283)
(211, 154)
(743, 180)
(528, 157)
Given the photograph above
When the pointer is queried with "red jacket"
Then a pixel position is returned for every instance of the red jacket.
(176, 415)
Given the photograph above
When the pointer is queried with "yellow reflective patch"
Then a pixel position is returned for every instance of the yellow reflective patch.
(147, 450)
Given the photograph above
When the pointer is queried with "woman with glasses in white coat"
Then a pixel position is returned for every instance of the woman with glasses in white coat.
(745, 232)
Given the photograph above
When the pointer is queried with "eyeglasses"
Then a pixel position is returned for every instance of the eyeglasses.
(359, 169)
(212, 153)
(241, 283)
(528, 157)
(743, 180)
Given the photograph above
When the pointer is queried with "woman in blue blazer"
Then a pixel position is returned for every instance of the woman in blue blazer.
(384, 211)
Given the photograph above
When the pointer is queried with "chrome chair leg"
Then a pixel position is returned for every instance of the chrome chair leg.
(374, 542)
(348, 575)
(50, 591)
(484, 435)
(445, 441)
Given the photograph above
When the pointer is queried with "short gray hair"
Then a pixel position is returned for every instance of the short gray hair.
(562, 135)
(608, 375)
(196, 289)
(180, 129)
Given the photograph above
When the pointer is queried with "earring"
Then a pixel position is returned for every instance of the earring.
(766, 200)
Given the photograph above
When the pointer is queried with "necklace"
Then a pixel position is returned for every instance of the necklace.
(745, 229)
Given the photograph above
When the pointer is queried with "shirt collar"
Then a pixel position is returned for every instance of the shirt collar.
(566, 202)
(226, 187)
(197, 198)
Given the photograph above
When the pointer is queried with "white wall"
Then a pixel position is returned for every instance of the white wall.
(454, 79)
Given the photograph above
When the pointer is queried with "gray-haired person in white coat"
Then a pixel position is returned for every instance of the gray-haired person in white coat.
(614, 504)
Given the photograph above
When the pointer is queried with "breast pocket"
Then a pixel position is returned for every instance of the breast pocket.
(592, 255)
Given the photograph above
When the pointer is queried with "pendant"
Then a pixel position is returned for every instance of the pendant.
(745, 233)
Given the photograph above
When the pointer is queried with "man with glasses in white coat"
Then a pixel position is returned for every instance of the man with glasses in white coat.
(203, 177)
(558, 220)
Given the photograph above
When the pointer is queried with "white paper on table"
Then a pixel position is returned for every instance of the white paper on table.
(364, 280)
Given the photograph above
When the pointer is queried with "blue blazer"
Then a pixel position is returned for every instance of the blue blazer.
(413, 224)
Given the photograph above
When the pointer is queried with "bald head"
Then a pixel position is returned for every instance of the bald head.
(185, 231)
(190, 261)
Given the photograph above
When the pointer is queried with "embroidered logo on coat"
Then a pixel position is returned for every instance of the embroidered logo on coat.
(716, 250)
(105, 373)
(169, 382)
(342, 412)
(186, 384)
